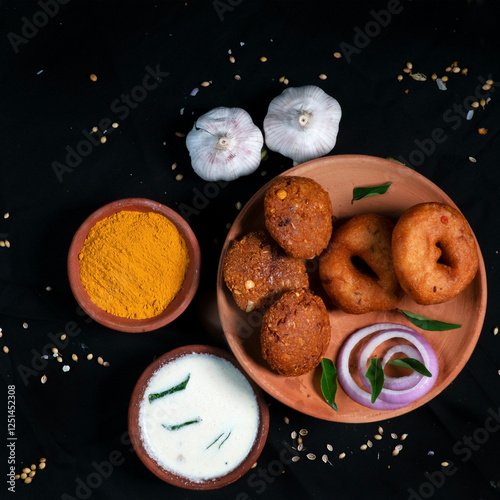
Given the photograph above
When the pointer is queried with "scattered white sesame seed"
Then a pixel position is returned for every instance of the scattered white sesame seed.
(25, 325)
(329, 447)
(43, 379)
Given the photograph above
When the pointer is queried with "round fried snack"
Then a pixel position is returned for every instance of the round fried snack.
(257, 271)
(295, 333)
(298, 214)
(434, 252)
(356, 270)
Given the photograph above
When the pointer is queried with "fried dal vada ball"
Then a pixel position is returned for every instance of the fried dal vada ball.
(298, 215)
(356, 270)
(257, 271)
(295, 333)
(434, 252)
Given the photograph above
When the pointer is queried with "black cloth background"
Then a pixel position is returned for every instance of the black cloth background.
(78, 419)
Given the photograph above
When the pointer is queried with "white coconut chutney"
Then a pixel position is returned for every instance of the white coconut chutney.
(199, 417)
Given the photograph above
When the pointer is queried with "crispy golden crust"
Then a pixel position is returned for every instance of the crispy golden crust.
(435, 253)
(257, 271)
(298, 214)
(365, 285)
(295, 333)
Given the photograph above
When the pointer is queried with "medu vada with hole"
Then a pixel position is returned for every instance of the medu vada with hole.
(257, 271)
(295, 333)
(298, 215)
(435, 253)
(356, 270)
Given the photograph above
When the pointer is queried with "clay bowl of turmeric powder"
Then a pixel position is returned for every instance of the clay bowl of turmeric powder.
(134, 265)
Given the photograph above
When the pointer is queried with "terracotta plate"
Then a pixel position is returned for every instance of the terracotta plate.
(339, 175)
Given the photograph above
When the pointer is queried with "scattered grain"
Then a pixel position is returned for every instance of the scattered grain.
(483, 103)
(475, 104)
(25, 325)
(205, 83)
(100, 360)
(293, 435)
(63, 336)
(337, 55)
(495, 330)
(263, 59)
(342, 455)
(378, 437)
(448, 69)
(393, 435)
(398, 447)
(180, 134)
(404, 436)
(26, 470)
(17, 476)
(329, 447)
(444, 78)
(296, 458)
(445, 464)
(300, 447)
(32, 473)
(28, 480)
(407, 70)
(254, 465)
(322, 76)
(179, 177)
(237, 77)
(7, 243)
(324, 458)
(24, 475)
(43, 379)
(6, 215)
(103, 139)
(5, 349)
(94, 129)
(238, 205)
(486, 86)
(249, 284)
(472, 159)
(303, 432)
(311, 456)
(93, 77)
(456, 69)
(409, 65)
(115, 125)
(55, 350)
(286, 81)
(2, 243)
(59, 359)
(232, 59)
(286, 420)
(381, 431)
(299, 439)
(281, 79)
(369, 444)
(106, 364)
(400, 77)
(90, 356)
(173, 166)
(434, 76)
(74, 357)
(465, 71)
(363, 447)
(482, 130)
(43, 460)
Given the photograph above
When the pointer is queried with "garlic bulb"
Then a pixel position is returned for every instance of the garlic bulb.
(302, 123)
(224, 144)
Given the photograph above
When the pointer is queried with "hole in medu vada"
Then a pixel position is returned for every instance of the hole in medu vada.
(363, 267)
(442, 257)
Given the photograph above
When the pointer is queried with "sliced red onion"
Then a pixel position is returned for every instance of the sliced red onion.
(389, 399)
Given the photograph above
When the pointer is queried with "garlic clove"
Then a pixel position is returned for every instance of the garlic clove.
(302, 123)
(224, 144)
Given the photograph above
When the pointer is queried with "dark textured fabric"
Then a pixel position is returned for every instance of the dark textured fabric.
(148, 58)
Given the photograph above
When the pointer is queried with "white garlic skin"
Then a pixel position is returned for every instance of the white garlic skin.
(224, 144)
(302, 123)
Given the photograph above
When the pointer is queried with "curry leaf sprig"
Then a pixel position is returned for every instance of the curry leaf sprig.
(375, 372)
(359, 193)
(176, 388)
(329, 382)
(427, 323)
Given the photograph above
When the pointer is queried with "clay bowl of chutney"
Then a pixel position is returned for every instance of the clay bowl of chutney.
(196, 420)
(97, 287)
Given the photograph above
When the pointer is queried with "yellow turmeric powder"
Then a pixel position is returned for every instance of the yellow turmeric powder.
(133, 264)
